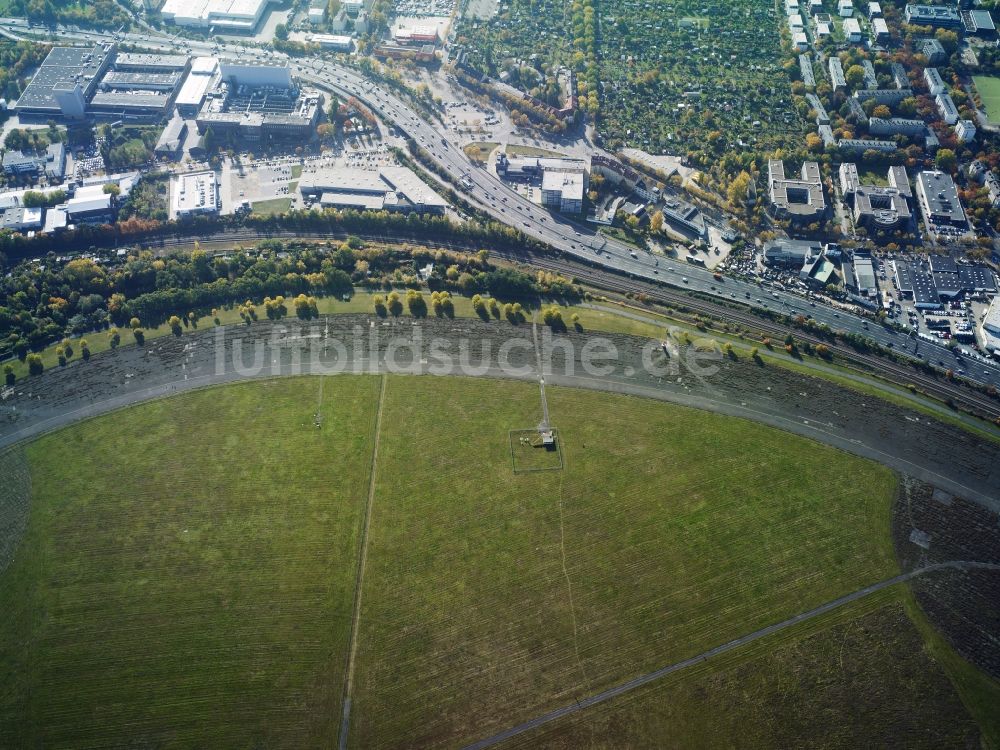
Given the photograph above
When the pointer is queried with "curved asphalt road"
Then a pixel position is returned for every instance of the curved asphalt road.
(505, 205)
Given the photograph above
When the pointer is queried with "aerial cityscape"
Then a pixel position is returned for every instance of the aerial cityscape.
(495, 373)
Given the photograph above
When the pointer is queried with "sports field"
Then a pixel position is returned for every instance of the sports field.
(989, 90)
(187, 574)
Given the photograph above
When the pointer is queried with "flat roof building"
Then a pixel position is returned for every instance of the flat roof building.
(222, 15)
(837, 80)
(194, 193)
(391, 188)
(75, 71)
(798, 199)
(938, 16)
(563, 191)
(204, 76)
(946, 107)
(939, 203)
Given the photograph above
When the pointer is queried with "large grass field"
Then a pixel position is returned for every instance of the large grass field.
(989, 90)
(832, 683)
(187, 574)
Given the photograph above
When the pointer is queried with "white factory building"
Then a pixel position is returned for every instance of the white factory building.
(563, 191)
(202, 78)
(220, 15)
(193, 194)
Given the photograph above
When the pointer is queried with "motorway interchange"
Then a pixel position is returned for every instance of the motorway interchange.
(494, 198)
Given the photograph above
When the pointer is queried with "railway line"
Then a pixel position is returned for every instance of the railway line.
(950, 392)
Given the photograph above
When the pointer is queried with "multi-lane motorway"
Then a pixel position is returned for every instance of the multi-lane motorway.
(492, 197)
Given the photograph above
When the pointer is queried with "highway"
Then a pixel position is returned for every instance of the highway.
(494, 198)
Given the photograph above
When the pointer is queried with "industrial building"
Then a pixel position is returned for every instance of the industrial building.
(255, 102)
(390, 189)
(799, 199)
(928, 282)
(939, 204)
(171, 141)
(225, 16)
(194, 194)
(75, 82)
(989, 330)
(202, 78)
(65, 81)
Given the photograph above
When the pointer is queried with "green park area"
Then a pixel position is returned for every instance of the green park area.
(186, 575)
(989, 91)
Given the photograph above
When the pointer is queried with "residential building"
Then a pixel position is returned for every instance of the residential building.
(860, 145)
(880, 30)
(845, 8)
(896, 126)
(992, 183)
(889, 97)
(965, 131)
(852, 30)
(822, 118)
(933, 51)
(874, 10)
(870, 79)
(935, 84)
(806, 69)
(946, 106)
(899, 76)
(837, 80)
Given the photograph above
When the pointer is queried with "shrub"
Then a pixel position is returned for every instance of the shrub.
(35, 366)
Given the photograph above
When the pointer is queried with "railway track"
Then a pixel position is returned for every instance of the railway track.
(961, 396)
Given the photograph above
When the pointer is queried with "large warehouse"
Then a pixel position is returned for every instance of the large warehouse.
(216, 15)
(65, 81)
(395, 189)
(74, 82)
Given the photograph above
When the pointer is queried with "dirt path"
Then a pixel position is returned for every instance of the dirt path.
(345, 720)
(649, 677)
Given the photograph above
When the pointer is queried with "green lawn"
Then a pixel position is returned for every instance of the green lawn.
(989, 90)
(272, 206)
(858, 677)
(187, 575)
(679, 530)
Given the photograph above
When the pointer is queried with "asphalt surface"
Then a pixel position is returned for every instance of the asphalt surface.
(645, 679)
(505, 205)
